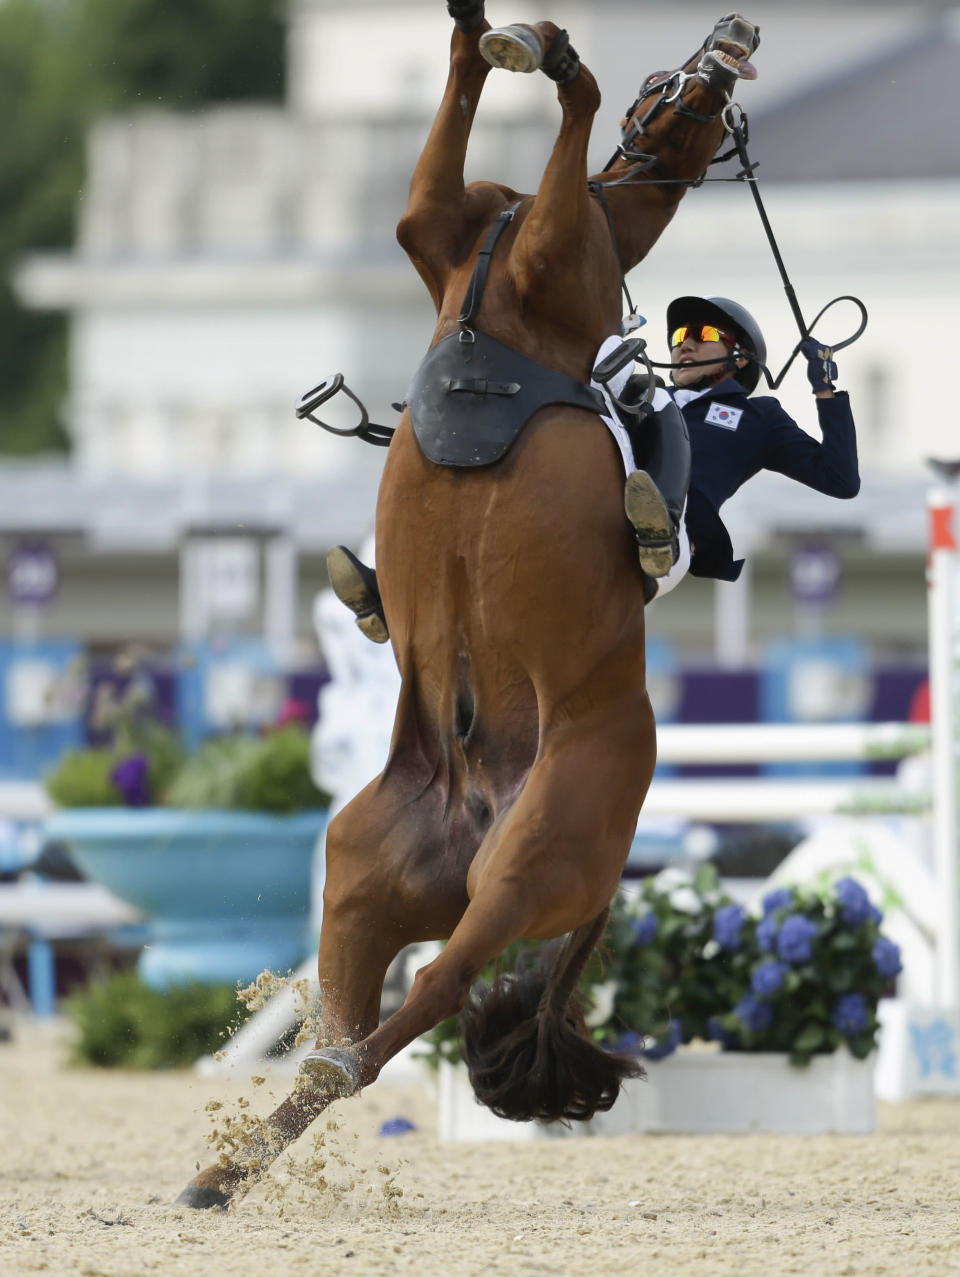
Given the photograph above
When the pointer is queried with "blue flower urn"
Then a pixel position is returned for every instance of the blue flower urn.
(226, 894)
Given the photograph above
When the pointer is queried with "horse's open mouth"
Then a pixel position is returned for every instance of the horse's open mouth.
(734, 56)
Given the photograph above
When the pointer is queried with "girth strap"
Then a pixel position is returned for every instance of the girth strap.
(478, 280)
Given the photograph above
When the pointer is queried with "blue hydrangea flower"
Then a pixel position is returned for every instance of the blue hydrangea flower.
(767, 929)
(397, 1126)
(753, 1013)
(644, 929)
(854, 902)
(659, 1050)
(132, 780)
(779, 899)
(886, 957)
(717, 1033)
(795, 939)
(629, 1041)
(875, 915)
(768, 978)
(727, 924)
(849, 1015)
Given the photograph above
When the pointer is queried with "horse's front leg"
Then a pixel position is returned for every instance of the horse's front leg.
(555, 224)
(432, 227)
(563, 245)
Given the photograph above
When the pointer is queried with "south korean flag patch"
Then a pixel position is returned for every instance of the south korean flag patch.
(719, 414)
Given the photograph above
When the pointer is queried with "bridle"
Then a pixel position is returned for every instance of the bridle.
(668, 88)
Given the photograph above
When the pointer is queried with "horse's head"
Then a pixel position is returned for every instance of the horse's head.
(724, 58)
(699, 90)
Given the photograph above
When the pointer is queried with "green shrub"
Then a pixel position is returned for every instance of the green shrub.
(211, 777)
(277, 777)
(82, 779)
(143, 765)
(122, 1023)
(268, 773)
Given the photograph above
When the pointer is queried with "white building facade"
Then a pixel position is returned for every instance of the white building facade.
(230, 258)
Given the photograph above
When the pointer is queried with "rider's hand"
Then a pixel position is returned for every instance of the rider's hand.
(821, 370)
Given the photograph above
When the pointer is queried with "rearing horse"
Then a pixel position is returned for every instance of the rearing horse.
(524, 739)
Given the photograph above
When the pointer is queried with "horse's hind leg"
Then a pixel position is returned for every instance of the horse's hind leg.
(383, 892)
(385, 889)
(547, 867)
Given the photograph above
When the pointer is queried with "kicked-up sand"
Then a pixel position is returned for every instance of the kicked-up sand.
(90, 1161)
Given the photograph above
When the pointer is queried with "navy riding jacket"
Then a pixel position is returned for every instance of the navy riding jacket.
(733, 437)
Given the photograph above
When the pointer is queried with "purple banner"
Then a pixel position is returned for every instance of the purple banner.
(32, 575)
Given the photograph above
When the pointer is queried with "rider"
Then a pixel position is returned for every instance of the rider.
(716, 349)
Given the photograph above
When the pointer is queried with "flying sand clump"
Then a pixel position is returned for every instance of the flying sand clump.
(327, 1177)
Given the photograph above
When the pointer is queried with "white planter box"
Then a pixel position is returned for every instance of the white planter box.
(697, 1092)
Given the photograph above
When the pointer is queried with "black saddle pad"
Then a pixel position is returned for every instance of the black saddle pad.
(472, 395)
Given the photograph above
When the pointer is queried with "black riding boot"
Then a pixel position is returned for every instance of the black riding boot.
(654, 496)
(356, 585)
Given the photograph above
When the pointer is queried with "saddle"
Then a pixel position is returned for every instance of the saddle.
(470, 399)
(472, 395)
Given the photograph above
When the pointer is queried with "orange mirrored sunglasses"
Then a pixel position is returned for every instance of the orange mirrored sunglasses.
(699, 332)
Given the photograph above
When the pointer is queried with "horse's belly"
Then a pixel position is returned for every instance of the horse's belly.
(510, 589)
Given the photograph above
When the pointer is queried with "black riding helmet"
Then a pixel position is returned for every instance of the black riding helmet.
(733, 318)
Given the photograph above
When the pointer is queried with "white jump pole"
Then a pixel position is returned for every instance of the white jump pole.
(763, 801)
(788, 742)
(942, 638)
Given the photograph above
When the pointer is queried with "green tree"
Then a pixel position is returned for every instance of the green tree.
(63, 62)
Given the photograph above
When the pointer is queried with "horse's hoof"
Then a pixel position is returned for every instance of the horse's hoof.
(513, 48)
(202, 1198)
(331, 1069)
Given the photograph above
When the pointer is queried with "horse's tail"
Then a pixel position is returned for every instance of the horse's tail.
(527, 1048)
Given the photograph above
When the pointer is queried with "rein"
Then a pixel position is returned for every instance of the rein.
(735, 122)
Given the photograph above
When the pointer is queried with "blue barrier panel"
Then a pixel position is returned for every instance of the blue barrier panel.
(225, 686)
(664, 687)
(816, 680)
(41, 704)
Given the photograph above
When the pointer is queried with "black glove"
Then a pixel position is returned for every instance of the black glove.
(821, 370)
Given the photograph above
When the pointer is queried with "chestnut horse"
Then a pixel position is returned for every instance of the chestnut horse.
(524, 739)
